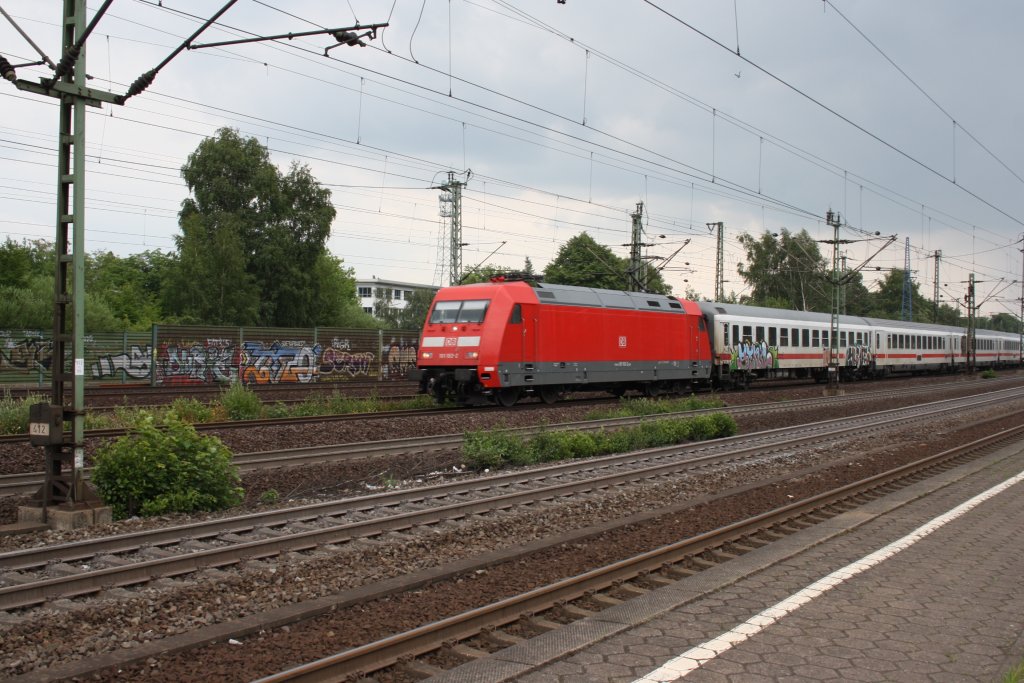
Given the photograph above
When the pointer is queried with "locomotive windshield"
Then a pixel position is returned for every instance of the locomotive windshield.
(472, 311)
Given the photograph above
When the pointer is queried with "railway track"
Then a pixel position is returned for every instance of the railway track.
(132, 559)
(462, 635)
(23, 483)
(132, 394)
(365, 658)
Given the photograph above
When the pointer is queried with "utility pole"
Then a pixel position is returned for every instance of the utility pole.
(835, 220)
(1020, 347)
(907, 303)
(935, 293)
(719, 227)
(636, 275)
(971, 323)
(69, 86)
(451, 208)
(842, 292)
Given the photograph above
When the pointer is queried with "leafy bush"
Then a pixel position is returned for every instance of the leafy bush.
(988, 374)
(191, 410)
(486, 450)
(158, 469)
(241, 403)
(490, 450)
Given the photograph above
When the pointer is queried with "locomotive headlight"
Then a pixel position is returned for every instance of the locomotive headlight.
(472, 355)
(427, 355)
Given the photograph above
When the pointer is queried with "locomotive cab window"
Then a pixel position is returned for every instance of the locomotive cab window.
(447, 312)
(517, 315)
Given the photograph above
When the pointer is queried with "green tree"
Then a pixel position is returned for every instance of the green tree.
(786, 271)
(247, 223)
(334, 295)
(31, 308)
(130, 286)
(414, 315)
(209, 283)
(887, 300)
(584, 263)
(1004, 322)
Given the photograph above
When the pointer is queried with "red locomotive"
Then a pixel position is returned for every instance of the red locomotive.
(498, 341)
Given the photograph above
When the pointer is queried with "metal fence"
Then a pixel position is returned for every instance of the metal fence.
(192, 355)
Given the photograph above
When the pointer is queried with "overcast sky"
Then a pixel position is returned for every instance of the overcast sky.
(904, 117)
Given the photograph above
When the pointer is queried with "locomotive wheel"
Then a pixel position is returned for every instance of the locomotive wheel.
(652, 390)
(549, 394)
(507, 397)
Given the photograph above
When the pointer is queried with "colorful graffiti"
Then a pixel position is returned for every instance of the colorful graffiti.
(29, 353)
(753, 356)
(211, 361)
(281, 362)
(135, 363)
(182, 359)
(399, 356)
(859, 357)
(339, 359)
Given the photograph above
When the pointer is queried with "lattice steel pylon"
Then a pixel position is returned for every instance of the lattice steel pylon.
(451, 208)
(907, 305)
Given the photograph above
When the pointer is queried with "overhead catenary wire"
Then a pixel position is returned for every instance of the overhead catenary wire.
(582, 142)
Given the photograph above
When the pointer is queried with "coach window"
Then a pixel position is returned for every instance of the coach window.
(783, 336)
(517, 315)
(760, 333)
(815, 338)
(746, 333)
(736, 339)
(725, 334)
(806, 336)
(773, 336)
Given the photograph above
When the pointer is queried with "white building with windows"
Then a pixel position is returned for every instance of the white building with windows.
(396, 293)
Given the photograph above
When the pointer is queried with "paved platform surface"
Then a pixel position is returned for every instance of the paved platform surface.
(946, 605)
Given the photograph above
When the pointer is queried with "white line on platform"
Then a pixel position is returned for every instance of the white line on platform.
(695, 657)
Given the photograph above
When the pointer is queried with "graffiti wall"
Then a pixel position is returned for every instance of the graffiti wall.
(202, 361)
(135, 363)
(25, 352)
(180, 355)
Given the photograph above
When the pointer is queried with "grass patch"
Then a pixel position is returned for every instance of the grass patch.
(487, 450)
(14, 412)
(637, 407)
(1014, 675)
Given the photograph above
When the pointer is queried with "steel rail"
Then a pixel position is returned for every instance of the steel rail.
(15, 484)
(33, 593)
(430, 637)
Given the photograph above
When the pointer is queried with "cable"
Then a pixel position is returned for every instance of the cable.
(922, 90)
(835, 113)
